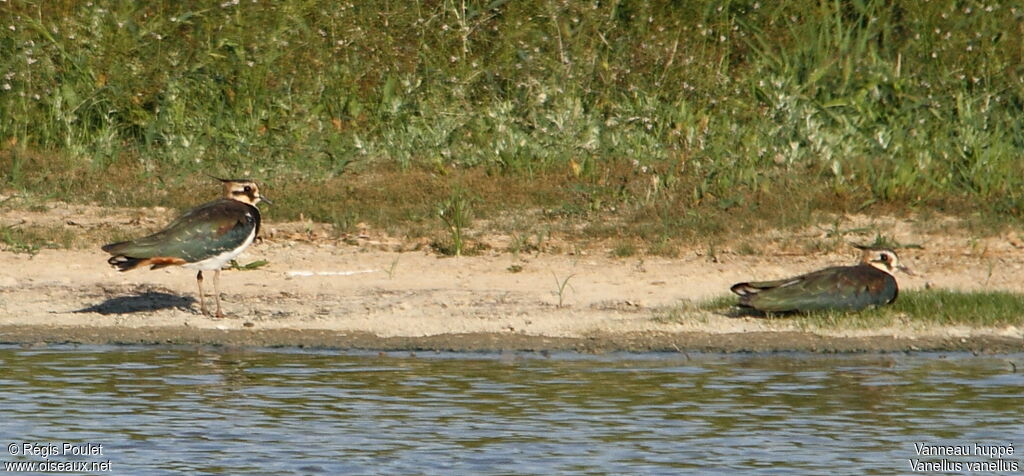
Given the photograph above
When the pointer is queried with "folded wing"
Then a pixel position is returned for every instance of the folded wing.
(839, 288)
(200, 234)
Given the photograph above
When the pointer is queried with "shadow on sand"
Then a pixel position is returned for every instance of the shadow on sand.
(145, 302)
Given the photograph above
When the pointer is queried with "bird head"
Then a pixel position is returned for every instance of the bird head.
(243, 190)
(882, 258)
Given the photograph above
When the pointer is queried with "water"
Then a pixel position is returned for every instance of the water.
(201, 410)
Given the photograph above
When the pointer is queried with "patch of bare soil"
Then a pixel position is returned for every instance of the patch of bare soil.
(358, 292)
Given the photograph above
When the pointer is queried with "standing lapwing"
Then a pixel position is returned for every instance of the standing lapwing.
(205, 238)
(844, 288)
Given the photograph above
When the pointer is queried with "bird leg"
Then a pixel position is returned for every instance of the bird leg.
(202, 300)
(216, 291)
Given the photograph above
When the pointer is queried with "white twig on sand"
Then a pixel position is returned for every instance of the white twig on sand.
(305, 274)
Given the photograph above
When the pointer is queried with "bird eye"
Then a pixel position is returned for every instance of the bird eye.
(883, 258)
(248, 189)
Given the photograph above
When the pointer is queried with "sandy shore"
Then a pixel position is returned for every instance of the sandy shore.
(372, 292)
(326, 293)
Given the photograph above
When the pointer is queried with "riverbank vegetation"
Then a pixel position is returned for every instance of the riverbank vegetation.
(916, 307)
(938, 307)
(646, 123)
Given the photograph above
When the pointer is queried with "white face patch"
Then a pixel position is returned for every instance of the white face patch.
(885, 261)
(245, 192)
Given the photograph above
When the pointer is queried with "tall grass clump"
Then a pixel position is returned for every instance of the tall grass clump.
(456, 212)
(673, 115)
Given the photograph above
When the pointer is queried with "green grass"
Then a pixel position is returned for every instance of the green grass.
(560, 286)
(456, 212)
(638, 120)
(686, 310)
(940, 307)
(31, 239)
(234, 264)
(624, 249)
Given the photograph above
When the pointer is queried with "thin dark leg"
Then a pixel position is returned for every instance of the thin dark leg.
(202, 299)
(216, 291)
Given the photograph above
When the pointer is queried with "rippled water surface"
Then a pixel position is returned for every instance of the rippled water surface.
(173, 410)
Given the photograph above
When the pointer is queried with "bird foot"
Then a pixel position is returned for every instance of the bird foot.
(214, 315)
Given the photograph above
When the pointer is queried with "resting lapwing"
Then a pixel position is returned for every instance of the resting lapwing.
(204, 238)
(844, 288)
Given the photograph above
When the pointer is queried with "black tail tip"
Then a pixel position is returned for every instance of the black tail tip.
(124, 263)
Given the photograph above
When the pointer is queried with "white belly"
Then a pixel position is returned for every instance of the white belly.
(218, 262)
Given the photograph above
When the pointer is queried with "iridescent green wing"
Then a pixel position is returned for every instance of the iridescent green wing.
(202, 233)
(840, 288)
